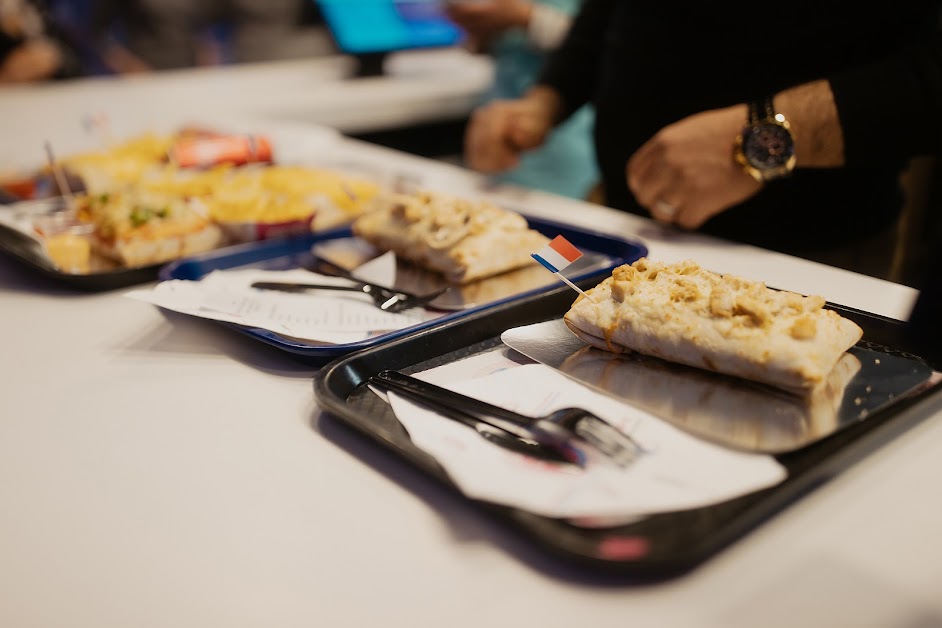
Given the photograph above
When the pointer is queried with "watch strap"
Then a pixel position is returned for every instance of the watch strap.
(761, 109)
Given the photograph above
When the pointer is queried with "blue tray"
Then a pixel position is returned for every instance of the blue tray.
(291, 253)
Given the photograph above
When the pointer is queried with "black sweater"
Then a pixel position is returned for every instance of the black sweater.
(647, 63)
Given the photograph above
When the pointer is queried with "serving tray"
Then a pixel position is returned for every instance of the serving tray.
(28, 252)
(604, 251)
(654, 547)
(103, 274)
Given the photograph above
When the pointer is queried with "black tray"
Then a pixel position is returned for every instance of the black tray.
(672, 542)
(27, 252)
(610, 251)
(108, 275)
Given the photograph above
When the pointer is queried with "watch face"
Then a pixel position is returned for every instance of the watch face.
(767, 146)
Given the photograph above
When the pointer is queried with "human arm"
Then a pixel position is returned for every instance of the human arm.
(572, 68)
(688, 166)
(33, 48)
(106, 17)
(484, 20)
(119, 59)
(34, 60)
(499, 132)
(686, 173)
(891, 110)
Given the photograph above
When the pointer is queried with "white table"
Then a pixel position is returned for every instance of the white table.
(158, 470)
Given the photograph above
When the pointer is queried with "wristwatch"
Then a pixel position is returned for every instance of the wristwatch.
(765, 147)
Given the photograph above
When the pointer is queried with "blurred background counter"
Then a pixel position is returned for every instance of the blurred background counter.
(420, 104)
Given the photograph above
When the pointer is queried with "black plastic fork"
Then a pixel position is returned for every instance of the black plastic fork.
(386, 299)
(567, 435)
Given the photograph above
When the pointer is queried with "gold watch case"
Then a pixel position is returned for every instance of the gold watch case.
(765, 148)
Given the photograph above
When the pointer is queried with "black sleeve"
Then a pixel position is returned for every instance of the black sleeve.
(890, 111)
(105, 14)
(922, 328)
(571, 68)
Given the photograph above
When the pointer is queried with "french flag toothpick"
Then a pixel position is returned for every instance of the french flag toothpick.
(556, 256)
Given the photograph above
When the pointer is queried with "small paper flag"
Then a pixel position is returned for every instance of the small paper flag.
(557, 255)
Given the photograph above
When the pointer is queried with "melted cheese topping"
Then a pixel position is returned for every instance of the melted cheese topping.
(442, 221)
(683, 313)
(736, 306)
(463, 239)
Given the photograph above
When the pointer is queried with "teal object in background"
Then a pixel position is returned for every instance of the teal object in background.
(565, 164)
(381, 26)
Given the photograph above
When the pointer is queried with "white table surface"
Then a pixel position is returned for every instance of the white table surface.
(158, 470)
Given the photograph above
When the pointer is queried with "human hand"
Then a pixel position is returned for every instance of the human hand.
(122, 61)
(500, 131)
(686, 173)
(483, 20)
(35, 60)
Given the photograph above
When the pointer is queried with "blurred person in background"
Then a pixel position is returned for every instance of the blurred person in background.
(675, 88)
(147, 35)
(31, 46)
(519, 34)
